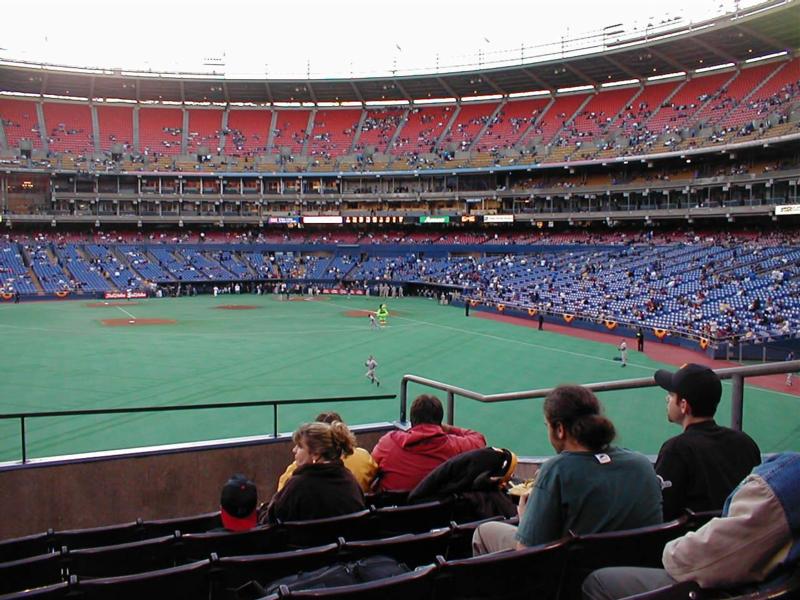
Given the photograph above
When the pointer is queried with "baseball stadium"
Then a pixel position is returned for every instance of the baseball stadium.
(206, 278)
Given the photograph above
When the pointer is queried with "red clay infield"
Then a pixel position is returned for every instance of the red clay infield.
(657, 351)
(137, 322)
(237, 307)
(110, 304)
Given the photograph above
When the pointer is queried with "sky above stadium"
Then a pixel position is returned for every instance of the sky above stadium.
(324, 38)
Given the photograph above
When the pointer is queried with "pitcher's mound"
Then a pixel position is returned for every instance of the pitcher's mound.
(237, 307)
(137, 322)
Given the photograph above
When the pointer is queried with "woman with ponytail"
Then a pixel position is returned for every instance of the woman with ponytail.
(590, 486)
(321, 486)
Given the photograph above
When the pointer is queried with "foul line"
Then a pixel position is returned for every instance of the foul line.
(126, 312)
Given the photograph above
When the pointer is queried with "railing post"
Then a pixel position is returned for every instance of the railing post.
(403, 399)
(451, 407)
(737, 401)
(22, 435)
(275, 420)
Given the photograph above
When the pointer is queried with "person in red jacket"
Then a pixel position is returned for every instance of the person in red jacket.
(405, 457)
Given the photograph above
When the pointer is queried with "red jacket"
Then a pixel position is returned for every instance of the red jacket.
(406, 457)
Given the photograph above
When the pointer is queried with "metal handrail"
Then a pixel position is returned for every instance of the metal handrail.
(737, 376)
(152, 409)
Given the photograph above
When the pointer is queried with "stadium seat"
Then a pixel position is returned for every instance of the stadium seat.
(461, 536)
(516, 574)
(193, 524)
(641, 547)
(99, 536)
(316, 532)
(233, 572)
(417, 584)
(187, 581)
(226, 543)
(123, 559)
(688, 590)
(31, 572)
(415, 518)
(48, 592)
(411, 549)
(23, 547)
(695, 520)
(387, 498)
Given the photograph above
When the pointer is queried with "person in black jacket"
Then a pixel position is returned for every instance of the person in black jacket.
(700, 467)
(321, 486)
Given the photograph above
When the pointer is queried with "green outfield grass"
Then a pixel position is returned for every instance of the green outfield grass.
(59, 356)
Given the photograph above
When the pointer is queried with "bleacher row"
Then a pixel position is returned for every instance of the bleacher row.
(704, 110)
(750, 290)
(182, 558)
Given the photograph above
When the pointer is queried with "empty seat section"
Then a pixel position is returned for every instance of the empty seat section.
(13, 272)
(725, 100)
(470, 121)
(686, 102)
(600, 112)
(648, 102)
(773, 95)
(204, 128)
(557, 115)
(333, 132)
(424, 127)
(160, 130)
(116, 270)
(68, 127)
(513, 121)
(116, 126)
(379, 127)
(50, 275)
(248, 132)
(290, 131)
(88, 275)
(20, 122)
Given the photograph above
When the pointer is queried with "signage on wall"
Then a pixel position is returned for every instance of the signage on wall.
(322, 219)
(498, 218)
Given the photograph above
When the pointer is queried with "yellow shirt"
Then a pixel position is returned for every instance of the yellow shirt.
(360, 463)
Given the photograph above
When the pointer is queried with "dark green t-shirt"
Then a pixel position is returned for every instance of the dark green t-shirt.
(585, 493)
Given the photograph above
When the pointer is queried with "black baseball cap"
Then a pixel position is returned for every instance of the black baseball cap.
(699, 385)
(238, 504)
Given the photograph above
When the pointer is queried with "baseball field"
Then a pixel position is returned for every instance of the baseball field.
(77, 354)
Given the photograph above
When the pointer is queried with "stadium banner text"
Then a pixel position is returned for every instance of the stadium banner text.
(370, 219)
(430, 219)
(787, 209)
(283, 220)
(498, 218)
(123, 295)
(343, 292)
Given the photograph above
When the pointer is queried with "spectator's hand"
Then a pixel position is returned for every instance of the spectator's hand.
(523, 503)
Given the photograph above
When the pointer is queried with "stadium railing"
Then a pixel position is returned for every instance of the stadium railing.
(737, 375)
(153, 409)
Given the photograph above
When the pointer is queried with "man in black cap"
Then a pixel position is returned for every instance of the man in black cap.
(700, 467)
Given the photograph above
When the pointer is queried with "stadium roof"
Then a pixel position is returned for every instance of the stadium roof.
(766, 29)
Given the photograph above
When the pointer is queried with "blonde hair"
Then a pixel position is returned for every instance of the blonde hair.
(329, 441)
